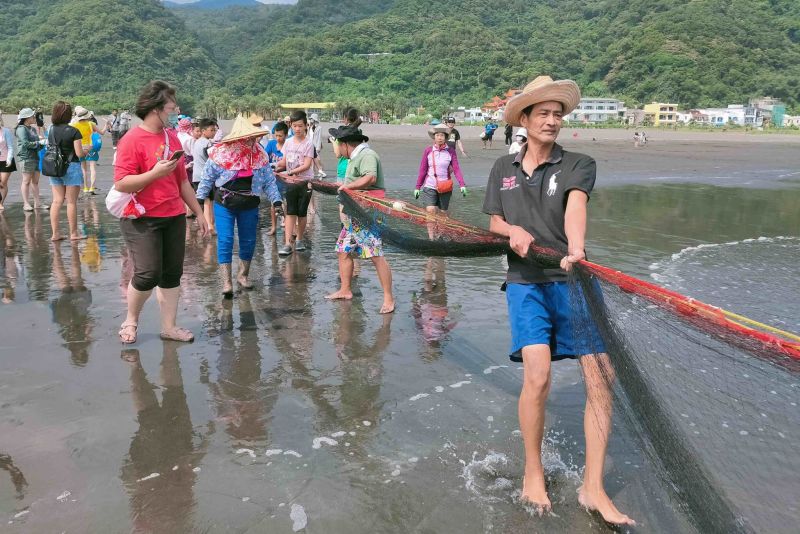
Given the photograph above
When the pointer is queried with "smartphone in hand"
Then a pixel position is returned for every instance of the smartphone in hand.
(176, 155)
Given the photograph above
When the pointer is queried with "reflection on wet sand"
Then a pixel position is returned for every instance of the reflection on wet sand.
(17, 478)
(429, 307)
(242, 397)
(165, 444)
(8, 262)
(70, 307)
(37, 256)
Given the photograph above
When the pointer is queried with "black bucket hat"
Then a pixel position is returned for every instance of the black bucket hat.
(348, 133)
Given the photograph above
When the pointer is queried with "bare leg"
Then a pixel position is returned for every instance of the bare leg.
(301, 226)
(136, 300)
(431, 210)
(73, 192)
(385, 278)
(535, 388)
(35, 189)
(25, 190)
(273, 217)
(85, 171)
(168, 302)
(291, 222)
(59, 191)
(92, 174)
(346, 276)
(598, 377)
(3, 188)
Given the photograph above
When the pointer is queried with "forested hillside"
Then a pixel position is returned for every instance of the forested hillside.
(96, 52)
(398, 54)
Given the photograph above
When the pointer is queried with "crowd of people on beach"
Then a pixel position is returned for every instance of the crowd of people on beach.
(172, 170)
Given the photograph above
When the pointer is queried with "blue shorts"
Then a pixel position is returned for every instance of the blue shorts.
(74, 176)
(93, 155)
(544, 314)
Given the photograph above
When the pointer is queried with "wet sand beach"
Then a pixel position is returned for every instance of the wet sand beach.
(290, 412)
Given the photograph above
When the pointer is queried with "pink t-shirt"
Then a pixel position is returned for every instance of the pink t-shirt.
(295, 153)
(137, 153)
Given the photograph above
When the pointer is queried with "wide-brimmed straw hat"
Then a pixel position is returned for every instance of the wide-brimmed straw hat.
(81, 113)
(242, 129)
(314, 117)
(543, 89)
(439, 128)
(25, 113)
(347, 133)
(255, 119)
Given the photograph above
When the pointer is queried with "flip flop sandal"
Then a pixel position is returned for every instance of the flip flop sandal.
(124, 332)
(178, 334)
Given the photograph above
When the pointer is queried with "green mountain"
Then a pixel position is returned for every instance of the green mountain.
(394, 55)
(96, 52)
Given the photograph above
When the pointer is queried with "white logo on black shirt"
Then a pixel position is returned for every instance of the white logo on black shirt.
(551, 189)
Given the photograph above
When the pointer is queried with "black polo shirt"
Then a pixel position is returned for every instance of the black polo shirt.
(537, 203)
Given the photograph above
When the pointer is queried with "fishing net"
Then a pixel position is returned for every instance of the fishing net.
(711, 395)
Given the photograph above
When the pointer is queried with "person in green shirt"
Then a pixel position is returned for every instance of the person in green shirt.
(364, 172)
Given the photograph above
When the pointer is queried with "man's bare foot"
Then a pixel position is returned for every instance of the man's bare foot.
(340, 295)
(534, 494)
(57, 238)
(271, 231)
(602, 504)
(77, 237)
(388, 307)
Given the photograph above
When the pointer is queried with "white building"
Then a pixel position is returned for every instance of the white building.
(791, 120)
(595, 110)
(733, 114)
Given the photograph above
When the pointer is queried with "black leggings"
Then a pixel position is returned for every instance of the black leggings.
(156, 245)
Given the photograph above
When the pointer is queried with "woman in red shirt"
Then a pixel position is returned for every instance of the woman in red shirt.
(156, 241)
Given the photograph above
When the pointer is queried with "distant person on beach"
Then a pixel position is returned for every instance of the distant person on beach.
(26, 154)
(208, 129)
(68, 187)
(83, 123)
(274, 151)
(437, 169)
(238, 168)
(454, 136)
(295, 168)
(352, 118)
(156, 241)
(508, 131)
(636, 139)
(40, 122)
(488, 133)
(365, 173)
(520, 139)
(315, 133)
(7, 165)
(540, 196)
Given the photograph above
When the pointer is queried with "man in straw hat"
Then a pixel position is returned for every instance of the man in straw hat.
(239, 169)
(540, 195)
(364, 172)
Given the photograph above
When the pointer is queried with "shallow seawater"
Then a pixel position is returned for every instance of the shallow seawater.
(291, 412)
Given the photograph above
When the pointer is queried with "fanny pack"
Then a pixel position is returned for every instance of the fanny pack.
(236, 200)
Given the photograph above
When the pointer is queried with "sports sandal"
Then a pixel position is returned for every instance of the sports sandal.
(178, 334)
(126, 335)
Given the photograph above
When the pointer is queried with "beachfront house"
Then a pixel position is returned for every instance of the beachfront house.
(772, 110)
(596, 110)
(661, 114)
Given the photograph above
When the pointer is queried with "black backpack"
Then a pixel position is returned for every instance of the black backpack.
(54, 163)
